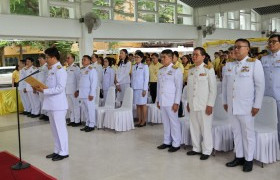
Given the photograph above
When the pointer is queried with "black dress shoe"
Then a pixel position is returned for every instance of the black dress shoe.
(51, 155)
(41, 116)
(248, 166)
(142, 125)
(59, 157)
(192, 153)
(29, 115)
(34, 115)
(137, 125)
(204, 157)
(76, 124)
(236, 162)
(46, 118)
(164, 146)
(84, 128)
(173, 149)
(70, 124)
(89, 129)
(23, 113)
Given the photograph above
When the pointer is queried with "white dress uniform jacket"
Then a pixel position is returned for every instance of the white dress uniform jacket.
(140, 77)
(122, 74)
(108, 80)
(29, 71)
(169, 90)
(55, 103)
(98, 68)
(42, 76)
(21, 86)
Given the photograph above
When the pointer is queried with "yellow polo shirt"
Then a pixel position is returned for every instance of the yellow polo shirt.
(153, 70)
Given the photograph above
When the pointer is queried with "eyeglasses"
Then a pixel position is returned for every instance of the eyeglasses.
(272, 42)
(238, 47)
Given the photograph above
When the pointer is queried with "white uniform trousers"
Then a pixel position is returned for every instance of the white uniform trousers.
(59, 131)
(171, 126)
(105, 92)
(244, 135)
(41, 98)
(201, 132)
(120, 95)
(74, 108)
(278, 115)
(35, 102)
(25, 101)
(88, 110)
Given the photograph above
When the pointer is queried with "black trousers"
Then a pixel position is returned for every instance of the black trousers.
(153, 91)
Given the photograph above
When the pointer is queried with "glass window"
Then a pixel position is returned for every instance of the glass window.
(231, 24)
(59, 12)
(101, 2)
(124, 10)
(102, 13)
(166, 13)
(183, 8)
(185, 20)
(146, 5)
(24, 7)
(146, 17)
(172, 1)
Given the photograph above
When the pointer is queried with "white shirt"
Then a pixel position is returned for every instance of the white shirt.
(108, 78)
(73, 76)
(55, 96)
(29, 71)
(201, 87)
(42, 75)
(88, 82)
(243, 86)
(22, 84)
(169, 86)
(140, 77)
(99, 69)
(271, 67)
(122, 74)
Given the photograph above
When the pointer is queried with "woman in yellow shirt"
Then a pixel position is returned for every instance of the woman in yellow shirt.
(15, 76)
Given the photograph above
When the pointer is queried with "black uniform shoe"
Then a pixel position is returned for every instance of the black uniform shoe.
(137, 125)
(84, 128)
(41, 116)
(34, 116)
(29, 115)
(173, 149)
(70, 124)
(46, 118)
(142, 125)
(89, 129)
(59, 157)
(192, 153)
(248, 166)
(51, 155)
(236, 162)
(68, 120)
(164, 146)
(76, 124)
(204, 157)
(23, 113)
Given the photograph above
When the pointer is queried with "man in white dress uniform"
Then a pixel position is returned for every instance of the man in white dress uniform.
(98, 68)
(169, 90)
(201, 95)
(72, 85)
(55, 103)
(87, 92)
(243, 89)
(271, 67)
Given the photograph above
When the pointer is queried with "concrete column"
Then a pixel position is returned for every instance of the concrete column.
(5, 7)
(44, 8)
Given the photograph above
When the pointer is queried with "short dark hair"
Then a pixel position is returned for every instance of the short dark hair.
(72, 55)
(130, 54)
(109, 60)
(156, 55)
(42, 56)
(52, 52)
(176, 54)
(230, 48)
(87, 56)
(216, 53)
(29, 58)
(140, 53)
(201, 49)
(168, 52)
(275, 35)
(226, 52)
(243, 40)
(95, 55)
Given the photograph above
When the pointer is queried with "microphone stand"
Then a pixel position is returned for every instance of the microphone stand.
(20, 165)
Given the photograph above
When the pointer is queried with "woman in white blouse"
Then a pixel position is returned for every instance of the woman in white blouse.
(108, 76)
(139, 84)
(122, 75)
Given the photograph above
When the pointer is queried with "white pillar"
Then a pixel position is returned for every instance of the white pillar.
(44, 8)
(5, 7)
(86, 41)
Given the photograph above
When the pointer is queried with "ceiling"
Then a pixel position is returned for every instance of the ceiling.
(268, 10)
(203, 3)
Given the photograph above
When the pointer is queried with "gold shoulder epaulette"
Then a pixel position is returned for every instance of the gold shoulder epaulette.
(58, 67)
(175, 67)
(34, 67)
(74, 65)
(90, 67)
(231, 60)
(251, 59)
(209, 65)
(83, 68)
(192, 66)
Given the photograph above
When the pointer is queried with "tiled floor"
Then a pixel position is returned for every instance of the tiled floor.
(105, 155)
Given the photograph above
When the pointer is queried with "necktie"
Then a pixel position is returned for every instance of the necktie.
(105, 70)
(136, 66)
